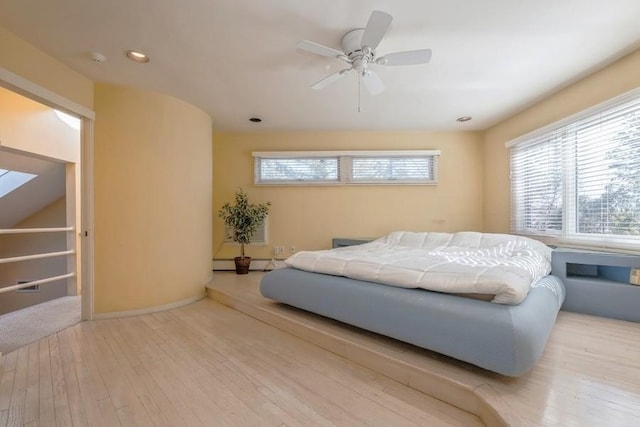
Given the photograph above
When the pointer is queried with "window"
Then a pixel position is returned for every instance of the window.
(11, 180)
(346, 167)
(68, 119)
(279, 170)
(579, 180)
(259, 238)
(399, 169)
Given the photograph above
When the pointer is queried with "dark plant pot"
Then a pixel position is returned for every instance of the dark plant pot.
(242, 264)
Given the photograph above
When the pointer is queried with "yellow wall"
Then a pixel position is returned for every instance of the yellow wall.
(309, 216)
(153, 183)
(620, 77)
(30, 63)
(31, 127)
(12, 245)
(152, 199)
(23, 59)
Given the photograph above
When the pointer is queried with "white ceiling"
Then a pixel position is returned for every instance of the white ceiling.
(237, 58)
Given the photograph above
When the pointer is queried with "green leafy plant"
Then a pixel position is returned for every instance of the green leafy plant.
(243, 218)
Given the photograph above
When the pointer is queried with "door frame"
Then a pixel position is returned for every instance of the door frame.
(35, 92)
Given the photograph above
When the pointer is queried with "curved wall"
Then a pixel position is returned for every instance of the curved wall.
(152, 200)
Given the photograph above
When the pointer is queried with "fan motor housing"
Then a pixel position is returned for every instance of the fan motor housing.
(351, 42)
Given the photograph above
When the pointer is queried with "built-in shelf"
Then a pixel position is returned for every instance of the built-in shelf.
(598, 283)
(610, 273)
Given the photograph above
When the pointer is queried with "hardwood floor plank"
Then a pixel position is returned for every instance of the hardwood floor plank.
(243, 357)
(60, 400)
(239, 391)
(71, 381)
(155, 403)
(8, 376)
(91, 391)
(287, 354)
(588, 375)
(201, 365)
(19, 390)
(32, 397)
(46, 412)
(120, 388)
(159, 370)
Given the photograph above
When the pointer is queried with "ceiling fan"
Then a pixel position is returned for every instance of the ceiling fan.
(359, 51)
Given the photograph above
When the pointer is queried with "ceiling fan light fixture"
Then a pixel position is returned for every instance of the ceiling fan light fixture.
(463, 119)
(359, 50)
(136, 56)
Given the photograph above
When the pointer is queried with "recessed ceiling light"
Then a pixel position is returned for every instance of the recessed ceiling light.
(463, 119)
(136, 56)
(255, 119)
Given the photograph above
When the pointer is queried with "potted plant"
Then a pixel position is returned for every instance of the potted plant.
(244, 219)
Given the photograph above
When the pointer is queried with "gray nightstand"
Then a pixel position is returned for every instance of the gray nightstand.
(598, 283)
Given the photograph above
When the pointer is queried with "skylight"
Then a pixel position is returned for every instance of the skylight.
(10, 180)
(69, 120)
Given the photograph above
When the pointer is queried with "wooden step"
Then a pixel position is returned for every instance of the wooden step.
(587, 375)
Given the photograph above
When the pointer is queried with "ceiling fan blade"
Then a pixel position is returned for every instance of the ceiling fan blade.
(412, 57)
(331, 78)
(318, 49)
(376, 28)
(372, 82)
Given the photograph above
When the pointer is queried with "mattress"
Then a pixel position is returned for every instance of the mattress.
(501, 265)
(507, 339)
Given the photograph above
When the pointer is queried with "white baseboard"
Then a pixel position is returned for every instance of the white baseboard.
(148, 310)
(256, 264)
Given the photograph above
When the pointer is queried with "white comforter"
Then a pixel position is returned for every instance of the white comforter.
(468, 262)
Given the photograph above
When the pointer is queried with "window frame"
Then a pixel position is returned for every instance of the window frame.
(255, 240)
(569, 234)
(345, 170)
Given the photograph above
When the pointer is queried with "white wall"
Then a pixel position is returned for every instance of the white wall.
(12, 245)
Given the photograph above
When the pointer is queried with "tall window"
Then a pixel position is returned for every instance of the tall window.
(580, 179)
(346, 167)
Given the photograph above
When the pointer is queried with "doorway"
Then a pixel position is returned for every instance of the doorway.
(45, 222)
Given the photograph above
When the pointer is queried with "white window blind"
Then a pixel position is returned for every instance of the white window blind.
(277, 170)
(398, 169)
(536, 186)
(580, 179)
(607, 175)
(346, 167)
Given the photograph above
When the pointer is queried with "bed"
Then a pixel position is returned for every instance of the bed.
(498, 327)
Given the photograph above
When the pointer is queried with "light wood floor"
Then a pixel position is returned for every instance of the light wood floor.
(200, 365)
(588, 375)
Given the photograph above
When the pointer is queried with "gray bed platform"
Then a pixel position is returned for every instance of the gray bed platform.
(501, 338)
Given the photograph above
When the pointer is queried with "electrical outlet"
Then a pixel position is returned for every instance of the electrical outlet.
(292, 249)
